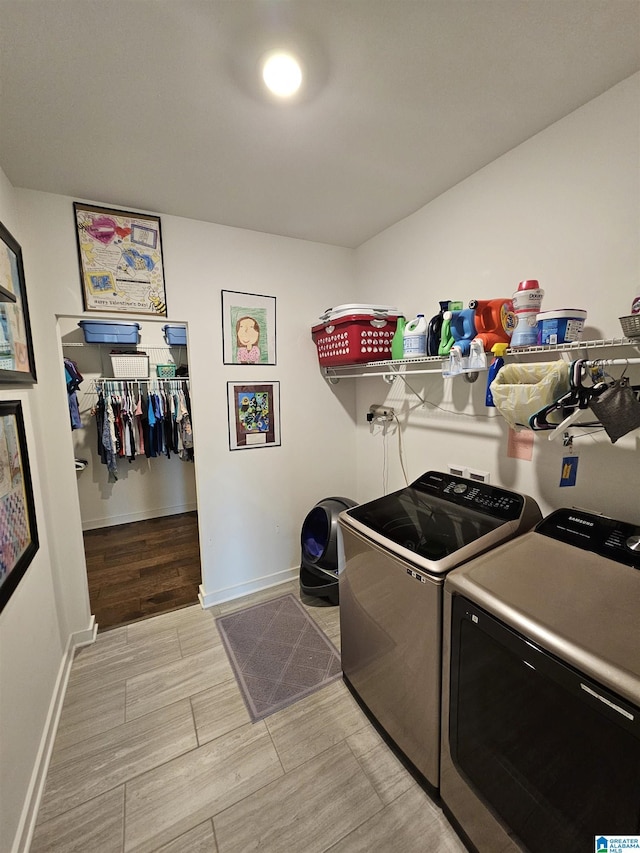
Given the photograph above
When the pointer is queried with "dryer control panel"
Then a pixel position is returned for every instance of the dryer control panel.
(615, 540)
(481, 497)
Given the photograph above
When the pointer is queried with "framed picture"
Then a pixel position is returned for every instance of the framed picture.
(16, 348)
(19, 540)
(120, 258)
(248, 328)
(254, 415)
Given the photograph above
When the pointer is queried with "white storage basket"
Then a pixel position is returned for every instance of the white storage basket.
(134, 366)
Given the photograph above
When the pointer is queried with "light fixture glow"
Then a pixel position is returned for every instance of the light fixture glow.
(282, 74)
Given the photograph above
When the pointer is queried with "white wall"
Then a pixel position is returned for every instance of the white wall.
(251, 503)
(564, 208)
(50, 604)
(146, 488)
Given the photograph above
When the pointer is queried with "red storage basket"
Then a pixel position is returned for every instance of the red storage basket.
(354, 339)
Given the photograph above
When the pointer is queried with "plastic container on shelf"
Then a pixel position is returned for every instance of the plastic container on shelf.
(397, 342)
(498, 351)
(166, 371)
(355, 334)
(415, 338)
(560, 327)
(462, 327)
(129, 365)
(526, 303)
(108, 332)
(495, 321)
(175, 334)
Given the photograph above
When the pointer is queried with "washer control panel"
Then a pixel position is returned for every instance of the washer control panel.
(616, 540)
(480, 497)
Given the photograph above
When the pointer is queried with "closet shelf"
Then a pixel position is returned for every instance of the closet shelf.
(436, 364)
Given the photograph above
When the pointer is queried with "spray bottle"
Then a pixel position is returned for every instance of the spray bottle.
(498, 351)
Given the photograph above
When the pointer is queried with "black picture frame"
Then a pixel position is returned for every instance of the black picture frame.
(19, 542)
(17, 362)
(259, 312)
(254, 415)
(121, 261)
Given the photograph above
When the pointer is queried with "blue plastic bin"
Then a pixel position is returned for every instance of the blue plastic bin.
(103, 332)
(175, 335)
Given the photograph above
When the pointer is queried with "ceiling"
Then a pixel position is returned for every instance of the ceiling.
(155, 104)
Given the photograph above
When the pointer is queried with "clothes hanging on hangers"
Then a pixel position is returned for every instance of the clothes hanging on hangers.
(73, 378)
(134, 419)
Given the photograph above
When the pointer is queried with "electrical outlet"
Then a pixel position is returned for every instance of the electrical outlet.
(380, 413)
(457, 470)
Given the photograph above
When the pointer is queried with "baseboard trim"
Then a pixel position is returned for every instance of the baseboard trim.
(142, 515)
(26, 827)
(220, 596)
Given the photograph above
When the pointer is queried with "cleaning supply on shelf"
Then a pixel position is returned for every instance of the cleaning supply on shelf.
(415, 338)
(561, 327)
(463, 328)
(434, 327)
(495, 321)
(498, 351)
(526, 303)
(397, 342)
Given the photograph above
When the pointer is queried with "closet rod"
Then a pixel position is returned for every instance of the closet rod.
(151, 379)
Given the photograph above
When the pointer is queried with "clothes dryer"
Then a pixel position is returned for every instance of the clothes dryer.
(398, 550)
(541, 689)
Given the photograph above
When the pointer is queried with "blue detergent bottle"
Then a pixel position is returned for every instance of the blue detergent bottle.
(498, 351)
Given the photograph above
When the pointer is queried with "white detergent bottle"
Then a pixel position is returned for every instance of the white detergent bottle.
(415, 338)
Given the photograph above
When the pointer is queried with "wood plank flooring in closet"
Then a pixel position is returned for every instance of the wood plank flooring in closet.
(141, 569)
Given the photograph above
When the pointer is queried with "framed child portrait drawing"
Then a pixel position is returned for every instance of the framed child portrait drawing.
(248, 328)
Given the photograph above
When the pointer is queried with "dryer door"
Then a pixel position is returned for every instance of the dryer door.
(552, 753)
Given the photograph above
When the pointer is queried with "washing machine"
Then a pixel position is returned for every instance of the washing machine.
(541, 690)
(321, 549)
(398, 549)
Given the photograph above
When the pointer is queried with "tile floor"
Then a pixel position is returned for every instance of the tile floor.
(155, 752)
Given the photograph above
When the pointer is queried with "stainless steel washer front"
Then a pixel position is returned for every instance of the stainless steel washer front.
(398, 550)
(391, 622)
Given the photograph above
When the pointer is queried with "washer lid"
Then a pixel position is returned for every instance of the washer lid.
(441, 520)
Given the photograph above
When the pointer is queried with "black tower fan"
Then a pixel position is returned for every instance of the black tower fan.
(319, 541)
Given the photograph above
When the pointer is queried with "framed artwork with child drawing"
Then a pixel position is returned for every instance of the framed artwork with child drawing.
(248, 328)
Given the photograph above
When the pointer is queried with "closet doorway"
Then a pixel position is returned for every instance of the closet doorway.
(139, 511)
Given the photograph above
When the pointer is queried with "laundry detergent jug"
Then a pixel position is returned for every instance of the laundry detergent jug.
(495, 321)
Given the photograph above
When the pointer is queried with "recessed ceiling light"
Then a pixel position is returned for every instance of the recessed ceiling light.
(282, 74)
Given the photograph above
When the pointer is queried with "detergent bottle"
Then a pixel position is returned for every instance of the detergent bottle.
(498, 351)
(415, 338)
(462, 328)
(397, 342)
(526, 303)
(495, 321)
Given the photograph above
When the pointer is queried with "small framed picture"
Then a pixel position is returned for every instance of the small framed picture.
(120, 256)
(19, 539)
(254, 414)
(248, 328)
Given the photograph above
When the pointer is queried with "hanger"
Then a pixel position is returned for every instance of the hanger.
(577, 398)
